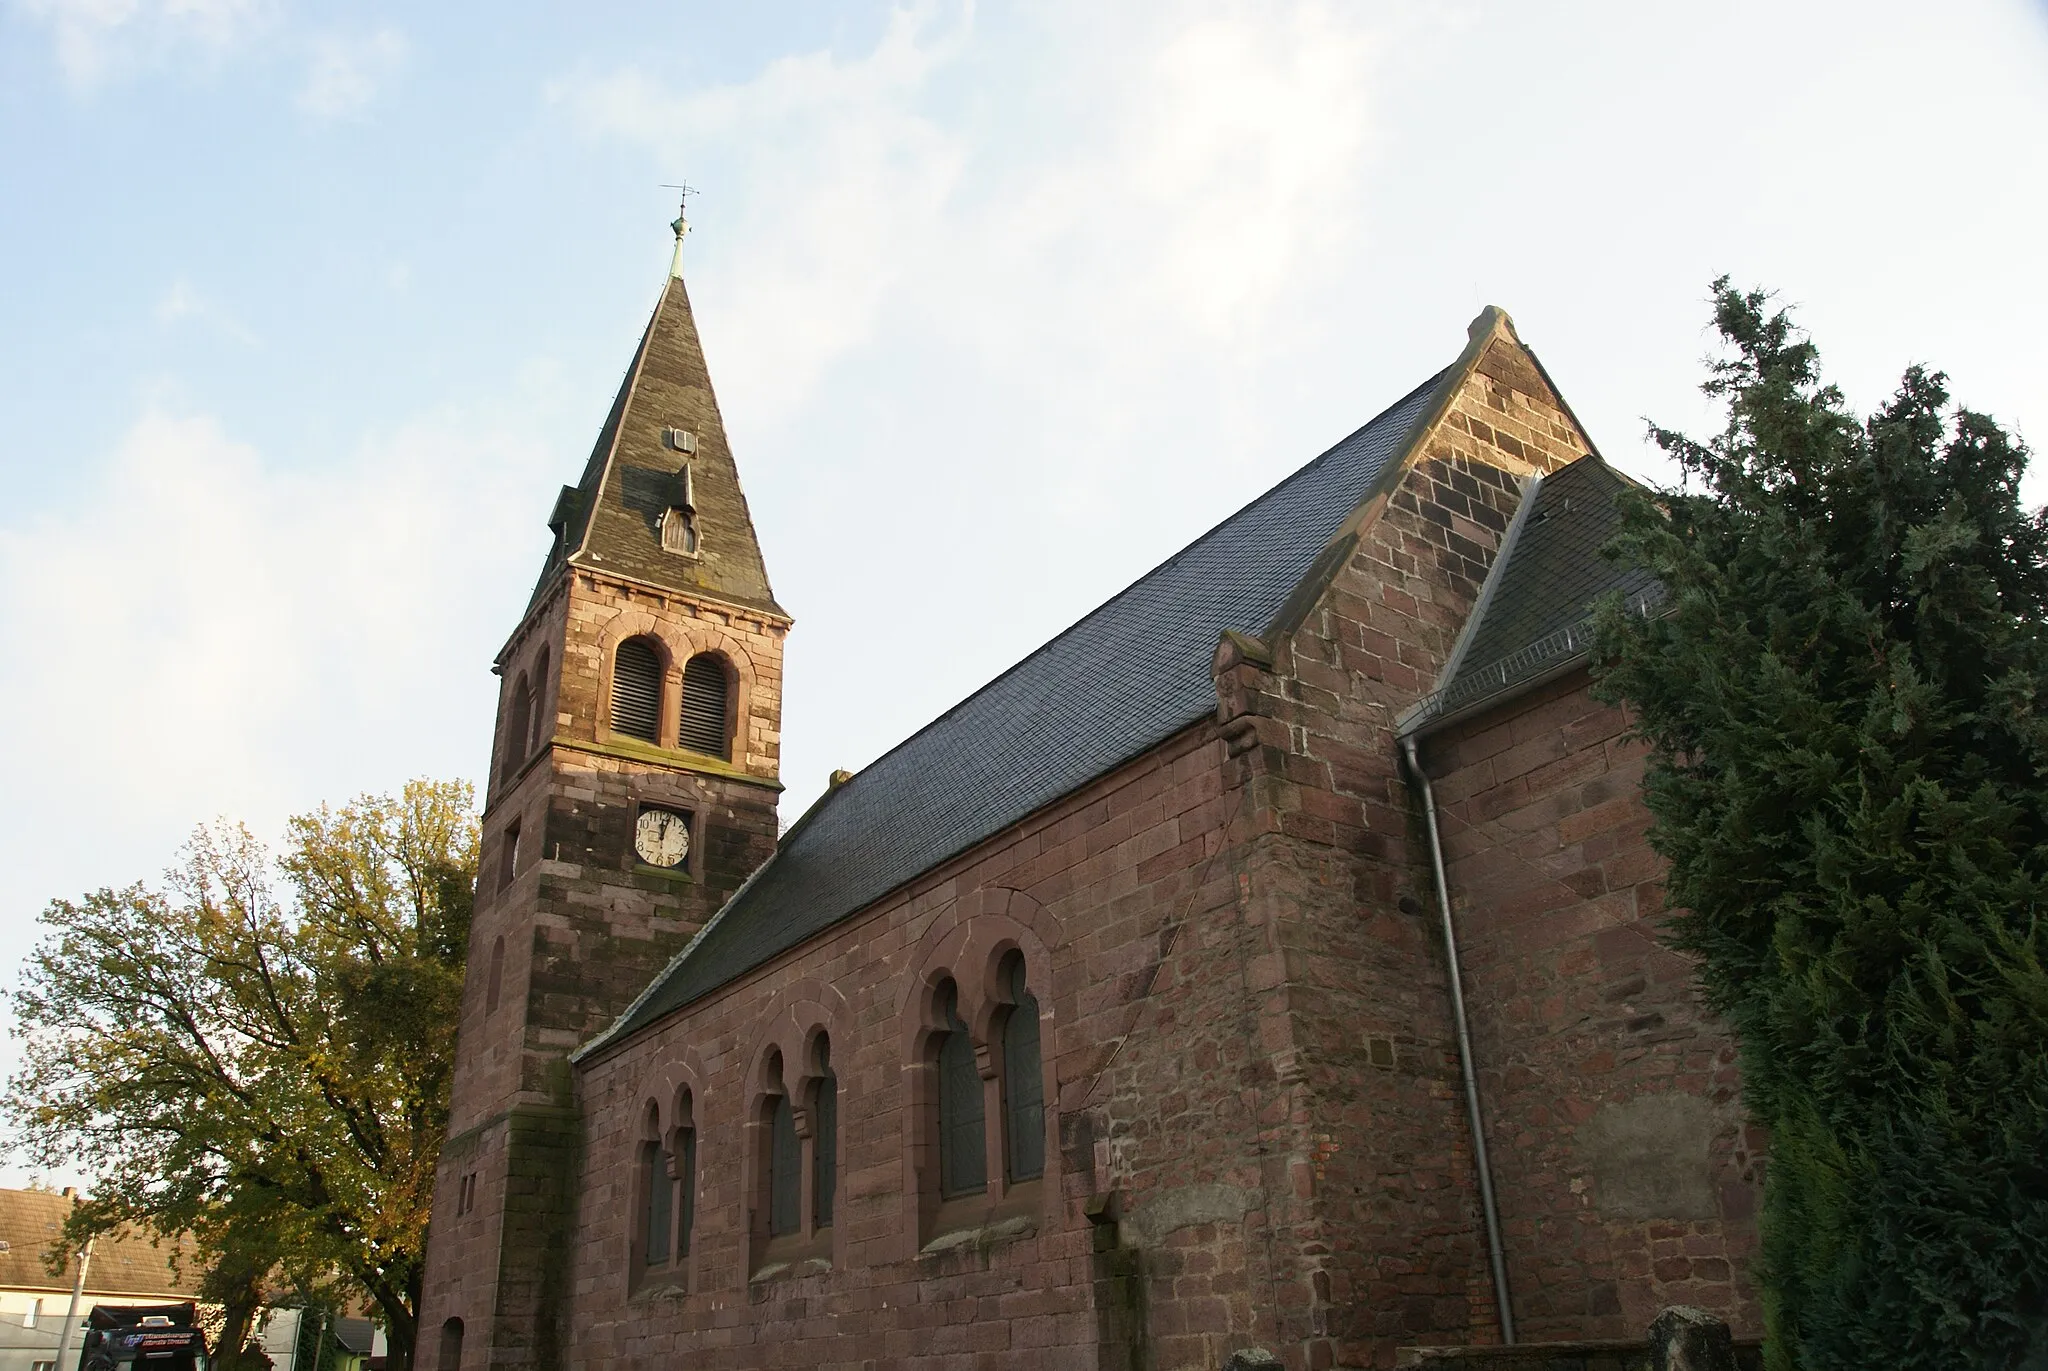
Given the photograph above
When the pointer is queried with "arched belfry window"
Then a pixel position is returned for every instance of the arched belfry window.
(824, 1138)
(1023, 1081)
(636, 690)
(785, 1161)
(963, 1155)
(706, 725)
(518, 726)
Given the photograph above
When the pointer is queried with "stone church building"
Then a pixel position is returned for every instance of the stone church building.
(1112, 1020)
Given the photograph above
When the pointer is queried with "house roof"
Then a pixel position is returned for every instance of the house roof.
(126, 1263)
(1128, 675)
(610, 520)
(1532, 614)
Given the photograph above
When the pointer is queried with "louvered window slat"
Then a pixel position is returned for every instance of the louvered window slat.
(636, 691)
(703, 727)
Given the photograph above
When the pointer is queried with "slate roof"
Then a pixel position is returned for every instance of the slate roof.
(32, 1221)
(1533, 616)
(610, 519)
(1130, 674)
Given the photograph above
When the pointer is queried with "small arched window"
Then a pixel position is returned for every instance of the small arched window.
(542, 728)
(824, 1138)
(497, 976)
(963, 1155)
(1023, 1082)
(686, 1172)
(451, 1346)
(705, 725)
(785, 1161)
(518, 726)
(659, 1190)
(636, 690)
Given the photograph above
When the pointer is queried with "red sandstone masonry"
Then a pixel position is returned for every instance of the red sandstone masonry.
(1248, 1054)
(1627, 1178)
(582, 930)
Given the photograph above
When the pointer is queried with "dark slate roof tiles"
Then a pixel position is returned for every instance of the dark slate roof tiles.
(1534, 618)
(1123, 679)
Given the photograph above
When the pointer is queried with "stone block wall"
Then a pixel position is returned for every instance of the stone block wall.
(1627, 1176)
(1125, 901)
(570, 926)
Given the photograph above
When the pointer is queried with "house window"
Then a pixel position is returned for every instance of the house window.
(659, 1189)
(705, 725)
(497, 976)
(963, 1155)
(35, 1311)
(785, 1165)
(636, 690)
(518, 726)
(824, 1138)
(1023, 1081)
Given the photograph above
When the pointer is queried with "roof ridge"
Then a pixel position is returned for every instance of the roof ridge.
(1179, 553)
(1041, 741)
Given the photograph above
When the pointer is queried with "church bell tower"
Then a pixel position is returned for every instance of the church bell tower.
(633, 787)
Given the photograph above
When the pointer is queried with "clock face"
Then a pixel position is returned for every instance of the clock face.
(661, 838)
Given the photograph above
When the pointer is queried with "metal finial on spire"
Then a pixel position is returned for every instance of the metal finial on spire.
(681, 224)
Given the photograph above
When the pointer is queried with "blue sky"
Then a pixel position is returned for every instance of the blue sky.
(312, 307)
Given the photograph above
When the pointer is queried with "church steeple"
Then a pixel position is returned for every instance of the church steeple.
(660, 499)
(633, 789)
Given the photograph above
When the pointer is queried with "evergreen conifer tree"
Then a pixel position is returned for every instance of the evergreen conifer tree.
(1844, 690)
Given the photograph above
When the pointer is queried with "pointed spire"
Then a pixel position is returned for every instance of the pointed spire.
(660, 500)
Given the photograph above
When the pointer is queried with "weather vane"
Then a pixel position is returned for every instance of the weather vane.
(682, 224)
(686, 190)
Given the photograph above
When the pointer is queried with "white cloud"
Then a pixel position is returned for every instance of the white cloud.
(345, 73)
(94, 37)
(216, 632)
(184, 301)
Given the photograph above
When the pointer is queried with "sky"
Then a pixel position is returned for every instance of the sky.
(311, 308)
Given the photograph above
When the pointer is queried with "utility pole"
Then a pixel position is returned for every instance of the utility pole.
(77, 1293)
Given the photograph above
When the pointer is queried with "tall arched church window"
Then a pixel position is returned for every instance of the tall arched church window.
(1023, 1081)
(785, 1167)
(543, 729)
(451, 1346)
(686, 1173)
(963, 1155)
(705, 723)
(636, 690)
(824, 1139)
(518, 726)
(660, 1193)
(497, 976)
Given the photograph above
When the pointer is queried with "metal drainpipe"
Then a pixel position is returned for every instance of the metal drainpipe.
(1495, 1252)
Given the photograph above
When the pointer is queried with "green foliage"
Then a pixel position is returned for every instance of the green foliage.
(271, 1078)
(1850, 778)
